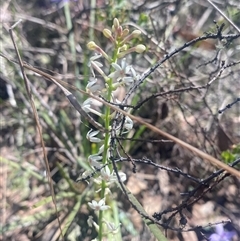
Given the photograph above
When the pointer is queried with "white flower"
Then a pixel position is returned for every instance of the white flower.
(91, 223)
(93, 87)
(109, 177)
(135, 76)
(120, 72)
(86, 106)
(98, 205)
(101, 149)
(122, 176)
(128, 124)
(91, 136)
(93, 161)
(106, 175)
(111, 227)
(93, 64)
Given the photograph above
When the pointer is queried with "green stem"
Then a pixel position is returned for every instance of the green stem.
(106, 143)
(71, 39)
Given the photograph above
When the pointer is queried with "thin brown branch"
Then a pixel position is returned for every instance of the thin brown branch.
(26, 82)
(200, 153)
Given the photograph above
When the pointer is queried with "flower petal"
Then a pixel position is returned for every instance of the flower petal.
(104, 207)
(116, 67)
(215, 237)
(229, 234)
(219, 229)
(101, 202)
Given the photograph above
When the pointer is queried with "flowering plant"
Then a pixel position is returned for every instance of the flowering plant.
(118, 75)
(221, 234)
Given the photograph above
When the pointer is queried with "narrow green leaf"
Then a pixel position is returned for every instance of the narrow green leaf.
(152, 226)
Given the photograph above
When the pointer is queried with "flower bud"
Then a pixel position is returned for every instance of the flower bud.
(107, 33)
(140, 48)
(136, 33)
(125, 32)
(119, 32)
(116, 23)
(92, 46)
